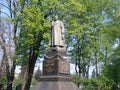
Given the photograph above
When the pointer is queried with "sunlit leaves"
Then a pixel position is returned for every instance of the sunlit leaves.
(33, 17)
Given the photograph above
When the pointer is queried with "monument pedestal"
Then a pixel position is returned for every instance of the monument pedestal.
(56, 72)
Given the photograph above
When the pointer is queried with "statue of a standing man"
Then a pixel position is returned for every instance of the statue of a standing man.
(57, 33)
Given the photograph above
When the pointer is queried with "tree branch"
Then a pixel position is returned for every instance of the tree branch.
(6, 7)
(5, 14)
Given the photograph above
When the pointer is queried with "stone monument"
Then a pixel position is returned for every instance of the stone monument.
(56, 69)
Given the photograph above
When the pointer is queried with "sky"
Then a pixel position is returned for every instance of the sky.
(4, 9)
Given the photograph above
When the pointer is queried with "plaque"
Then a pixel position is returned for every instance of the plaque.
(50, 67)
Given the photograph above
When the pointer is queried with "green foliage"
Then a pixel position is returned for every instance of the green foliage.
(112, 69)
(3, 80)
(103, 83)
(19, 80)
(100, 82)
(76, 78)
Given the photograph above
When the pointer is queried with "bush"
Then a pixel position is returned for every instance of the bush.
(98, 83)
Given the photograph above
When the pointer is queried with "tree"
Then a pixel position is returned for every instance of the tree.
(10, 29)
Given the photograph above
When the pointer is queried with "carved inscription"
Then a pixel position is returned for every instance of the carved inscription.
(49, 67)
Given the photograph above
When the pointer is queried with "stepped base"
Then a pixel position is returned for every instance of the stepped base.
(55, 86)
(55, 83)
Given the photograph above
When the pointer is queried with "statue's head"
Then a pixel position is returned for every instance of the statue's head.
(55, 17)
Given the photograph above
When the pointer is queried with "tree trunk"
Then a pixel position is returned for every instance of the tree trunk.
(96, 64)
(79, 63)
(76, 62)
(32, 62)
(87, 69)
(105, 56)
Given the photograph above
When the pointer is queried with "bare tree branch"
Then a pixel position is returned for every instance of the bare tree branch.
(6, 7)
(5, 14)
